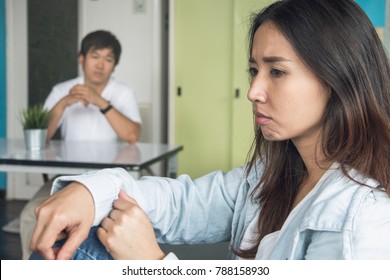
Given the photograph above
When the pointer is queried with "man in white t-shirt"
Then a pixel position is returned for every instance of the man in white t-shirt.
(91, 107)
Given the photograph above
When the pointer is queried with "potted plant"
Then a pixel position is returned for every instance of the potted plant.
(35, 120)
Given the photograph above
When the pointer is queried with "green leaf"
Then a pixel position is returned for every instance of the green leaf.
(35, 117)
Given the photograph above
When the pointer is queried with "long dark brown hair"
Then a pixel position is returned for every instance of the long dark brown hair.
(339, 44)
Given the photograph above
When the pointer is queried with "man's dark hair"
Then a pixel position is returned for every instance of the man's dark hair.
(101, 39)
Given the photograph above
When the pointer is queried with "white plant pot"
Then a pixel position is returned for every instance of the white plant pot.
(35, 139)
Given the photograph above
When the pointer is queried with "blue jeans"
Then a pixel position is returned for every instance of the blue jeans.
(90, 249)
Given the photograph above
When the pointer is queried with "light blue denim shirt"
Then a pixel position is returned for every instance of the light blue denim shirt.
(338, 219)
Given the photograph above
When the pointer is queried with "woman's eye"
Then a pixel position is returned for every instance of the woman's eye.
(277, 73)
(252, 71)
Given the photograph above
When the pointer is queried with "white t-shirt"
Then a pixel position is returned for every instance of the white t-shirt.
(81, 122)
(266, 244)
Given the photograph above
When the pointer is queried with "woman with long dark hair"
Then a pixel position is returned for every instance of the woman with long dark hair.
(317, 174)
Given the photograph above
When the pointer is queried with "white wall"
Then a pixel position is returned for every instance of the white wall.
(134, 30)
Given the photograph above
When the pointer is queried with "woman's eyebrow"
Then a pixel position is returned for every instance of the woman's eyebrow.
(270, 59)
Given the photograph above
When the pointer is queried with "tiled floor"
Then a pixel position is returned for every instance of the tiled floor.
(10, 248)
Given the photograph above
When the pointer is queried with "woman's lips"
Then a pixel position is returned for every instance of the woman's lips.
(261, 119)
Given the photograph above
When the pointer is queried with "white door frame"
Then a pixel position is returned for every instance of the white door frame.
(17, 87)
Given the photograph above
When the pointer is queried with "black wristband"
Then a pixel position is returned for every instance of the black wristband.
(105, 110)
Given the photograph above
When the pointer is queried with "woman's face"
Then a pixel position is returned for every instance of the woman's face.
(288, 99)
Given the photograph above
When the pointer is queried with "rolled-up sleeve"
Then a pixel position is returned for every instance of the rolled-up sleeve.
(181, 210)
(104, 185)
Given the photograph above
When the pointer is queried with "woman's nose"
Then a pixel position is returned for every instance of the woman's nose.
(257, 91)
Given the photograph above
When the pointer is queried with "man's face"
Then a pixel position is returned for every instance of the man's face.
(98, 65)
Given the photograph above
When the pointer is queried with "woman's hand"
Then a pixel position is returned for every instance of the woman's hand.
(69, 213)
(127, 232)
